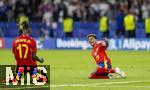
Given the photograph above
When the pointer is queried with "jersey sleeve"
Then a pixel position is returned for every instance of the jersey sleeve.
(102, 43)
(34, 47)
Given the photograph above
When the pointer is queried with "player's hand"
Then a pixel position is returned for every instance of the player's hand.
(41, 60)
(106, 42)
(106, 39)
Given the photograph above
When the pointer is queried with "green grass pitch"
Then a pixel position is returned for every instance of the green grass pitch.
(70, 69)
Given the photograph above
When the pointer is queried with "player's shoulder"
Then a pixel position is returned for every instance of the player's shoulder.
(32, 39)
(99, 42)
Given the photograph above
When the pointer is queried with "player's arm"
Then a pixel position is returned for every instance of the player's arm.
(34, 50)
(35, 57)
(14, 48)
(105, 43)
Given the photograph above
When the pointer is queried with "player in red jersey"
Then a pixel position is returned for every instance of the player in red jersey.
(24, 50)
(104, 68)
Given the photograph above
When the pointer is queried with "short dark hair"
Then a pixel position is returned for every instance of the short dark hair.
(25, 25)
(92, 35)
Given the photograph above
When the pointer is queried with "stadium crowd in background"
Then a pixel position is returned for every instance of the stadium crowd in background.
(52, 12)
(79, 10)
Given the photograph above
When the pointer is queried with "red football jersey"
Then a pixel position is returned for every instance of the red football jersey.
(23, 49)
(99, 52)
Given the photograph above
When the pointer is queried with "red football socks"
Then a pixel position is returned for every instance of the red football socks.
(94, 76)
(101, 73)
(112, 71)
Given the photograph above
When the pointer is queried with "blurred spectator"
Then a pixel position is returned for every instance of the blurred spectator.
(120, 23)
(104, 26)
(23, 7)
(4, 8)
(46, 11)
(145, 9)
(136, 11)
(47, 18)
(79, 12)
(59, 12)
(1, 32)
(147, 26)
(52, 12)
(10, 12)
(71, 7)
(89, 12)
(96, 8)
(68, 24)
(130, 24)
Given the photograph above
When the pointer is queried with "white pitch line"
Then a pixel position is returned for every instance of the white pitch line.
(124, 86)
(95, 84)
(89, 85)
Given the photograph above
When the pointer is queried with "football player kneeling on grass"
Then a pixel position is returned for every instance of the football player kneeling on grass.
(104, 68)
